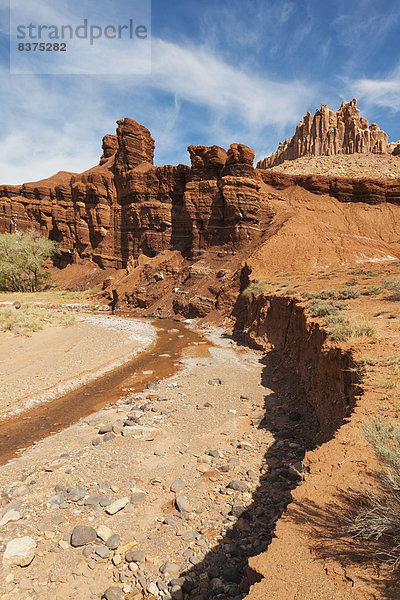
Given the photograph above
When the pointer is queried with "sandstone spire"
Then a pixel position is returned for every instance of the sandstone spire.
(327, 133)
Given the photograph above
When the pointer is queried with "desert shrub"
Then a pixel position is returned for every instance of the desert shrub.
(30, 318)
(327, 275)
(322, 295)
(322, 308)
(334, 319)
(371, 290)
(351, 282)
(390, 382)
(348, 293)
(348, 330)
(376, 516)
(255, 288)
(392, 284)
(366, 273)
(392, 359)
(21, 260)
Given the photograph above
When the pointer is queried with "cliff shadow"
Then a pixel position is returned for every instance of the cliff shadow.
(289, 415)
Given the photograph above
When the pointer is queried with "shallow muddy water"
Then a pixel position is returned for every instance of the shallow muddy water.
(158, 362)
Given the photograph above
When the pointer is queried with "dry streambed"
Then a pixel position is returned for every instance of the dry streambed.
(155, 496)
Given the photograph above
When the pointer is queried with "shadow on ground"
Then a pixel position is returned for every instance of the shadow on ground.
(223, 571)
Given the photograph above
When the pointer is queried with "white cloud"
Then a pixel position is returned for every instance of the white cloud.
(197, 75)
(379, 92)
(55, 123)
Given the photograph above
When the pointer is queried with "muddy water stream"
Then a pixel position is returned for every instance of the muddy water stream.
(161, 359)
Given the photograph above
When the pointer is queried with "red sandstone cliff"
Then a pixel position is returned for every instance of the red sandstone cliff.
(127, 206)
(328, 133)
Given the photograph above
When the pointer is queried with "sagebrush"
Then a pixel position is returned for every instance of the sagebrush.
(375, 519)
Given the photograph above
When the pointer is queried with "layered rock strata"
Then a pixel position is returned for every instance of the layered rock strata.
(126, 206)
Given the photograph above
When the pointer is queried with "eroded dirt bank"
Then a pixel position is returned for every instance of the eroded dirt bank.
(309, 557)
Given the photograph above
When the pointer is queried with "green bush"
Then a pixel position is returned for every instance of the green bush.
(21, 260)
(322, 295)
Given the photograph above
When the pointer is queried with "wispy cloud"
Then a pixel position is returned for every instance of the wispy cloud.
(58, 123)
(380, 92)
(197, 75)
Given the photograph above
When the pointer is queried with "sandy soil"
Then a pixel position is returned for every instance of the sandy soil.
(357, 166)
(58, 359)
(191, 428)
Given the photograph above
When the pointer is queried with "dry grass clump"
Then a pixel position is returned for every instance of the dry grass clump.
(376, 516)
(27, 319)
(352, 329)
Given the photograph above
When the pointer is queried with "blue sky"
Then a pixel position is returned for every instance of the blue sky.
(222, 71)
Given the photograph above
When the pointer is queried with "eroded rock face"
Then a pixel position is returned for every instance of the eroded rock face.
(328, 133)
(126, 206)
(396, 150)
(135, 145)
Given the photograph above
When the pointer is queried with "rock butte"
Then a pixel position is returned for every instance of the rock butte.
(329, 133)
(127, 206)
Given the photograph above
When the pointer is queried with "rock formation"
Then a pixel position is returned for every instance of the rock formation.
(126, 206)
(328, 133)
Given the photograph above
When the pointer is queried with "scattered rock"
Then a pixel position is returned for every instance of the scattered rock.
(178, 485)
(117, 506)
(114, 593)
(14, 505)
(138, 498)
(239, 486)
(215, 381)
(113, 541)
(93, 500)
(19, 551)
(103, 552)
(182, 504)
(105, 428)
(76, 494)
(11, 515)
(170, 567)
(104, 532)
(135, 556)
(82, 535)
